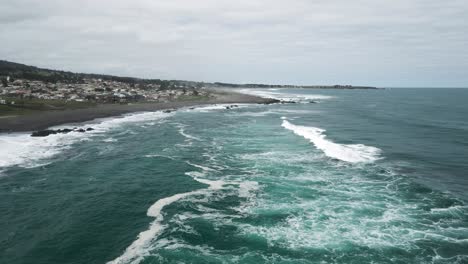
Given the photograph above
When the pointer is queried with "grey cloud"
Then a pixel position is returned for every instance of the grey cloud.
(391, 43)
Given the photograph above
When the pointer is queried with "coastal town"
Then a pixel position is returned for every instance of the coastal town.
(93, 90)
(21, 83)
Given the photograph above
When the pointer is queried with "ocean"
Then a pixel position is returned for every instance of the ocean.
(340, 176)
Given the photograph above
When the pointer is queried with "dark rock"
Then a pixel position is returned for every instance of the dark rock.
(227, 107)
(43, 133)
(64, 131)
(312, 102)
(272, 101)
(167, 111)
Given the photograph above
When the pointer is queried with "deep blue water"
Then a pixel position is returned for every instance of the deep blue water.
(361, 176)
(424, 131)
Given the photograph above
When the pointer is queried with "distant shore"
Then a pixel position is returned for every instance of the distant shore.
(44, 119)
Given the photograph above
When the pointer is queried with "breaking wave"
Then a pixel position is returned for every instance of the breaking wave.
(20, 149)
(142, 246)
(350, 153)
(215, 107)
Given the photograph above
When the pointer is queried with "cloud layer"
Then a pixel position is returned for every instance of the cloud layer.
(368, 42)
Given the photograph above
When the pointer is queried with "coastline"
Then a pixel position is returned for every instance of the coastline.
(45, 119)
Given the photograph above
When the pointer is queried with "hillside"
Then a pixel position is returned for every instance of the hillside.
(32, 73)
(22, 71)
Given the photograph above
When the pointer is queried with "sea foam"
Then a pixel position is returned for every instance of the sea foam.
(142, 245)
(350, 153)
(139, 248)
(20, 149)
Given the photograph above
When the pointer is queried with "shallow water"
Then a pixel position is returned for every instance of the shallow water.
(361, 176)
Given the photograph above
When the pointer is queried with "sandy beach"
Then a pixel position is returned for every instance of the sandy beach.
(44, 119)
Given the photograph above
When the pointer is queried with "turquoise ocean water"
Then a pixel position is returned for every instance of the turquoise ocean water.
(361, 176)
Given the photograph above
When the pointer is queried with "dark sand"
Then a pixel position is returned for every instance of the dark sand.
(45, 119)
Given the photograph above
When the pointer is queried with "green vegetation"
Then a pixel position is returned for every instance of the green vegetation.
(15, 106)
(193, 98)
(6, 110)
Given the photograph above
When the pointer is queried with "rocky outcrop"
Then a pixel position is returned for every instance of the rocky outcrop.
(271, 101)
(47, 132)
(43, 133)
(231, 106)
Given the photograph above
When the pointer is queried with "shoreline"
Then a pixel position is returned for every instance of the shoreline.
(46, 119)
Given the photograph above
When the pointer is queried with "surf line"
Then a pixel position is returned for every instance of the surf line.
(141, 246)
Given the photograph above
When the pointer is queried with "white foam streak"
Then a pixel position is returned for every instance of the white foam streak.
(350, 153)
(158, 156)
(200, 166)
(275, 112)
(141, 246)
(190, 137)
(213, 185)
(271, 94)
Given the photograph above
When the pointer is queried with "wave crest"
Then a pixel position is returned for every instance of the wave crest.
(350, 153)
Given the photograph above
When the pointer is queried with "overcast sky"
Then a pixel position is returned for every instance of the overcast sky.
(362, 42)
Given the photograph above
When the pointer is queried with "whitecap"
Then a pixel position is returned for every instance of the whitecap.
(213, 185)
(106, 124)
(350, 153)
(457, 210)
(20, 149)
(246, 188)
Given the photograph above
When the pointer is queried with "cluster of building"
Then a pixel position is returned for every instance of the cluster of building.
(96, 90)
